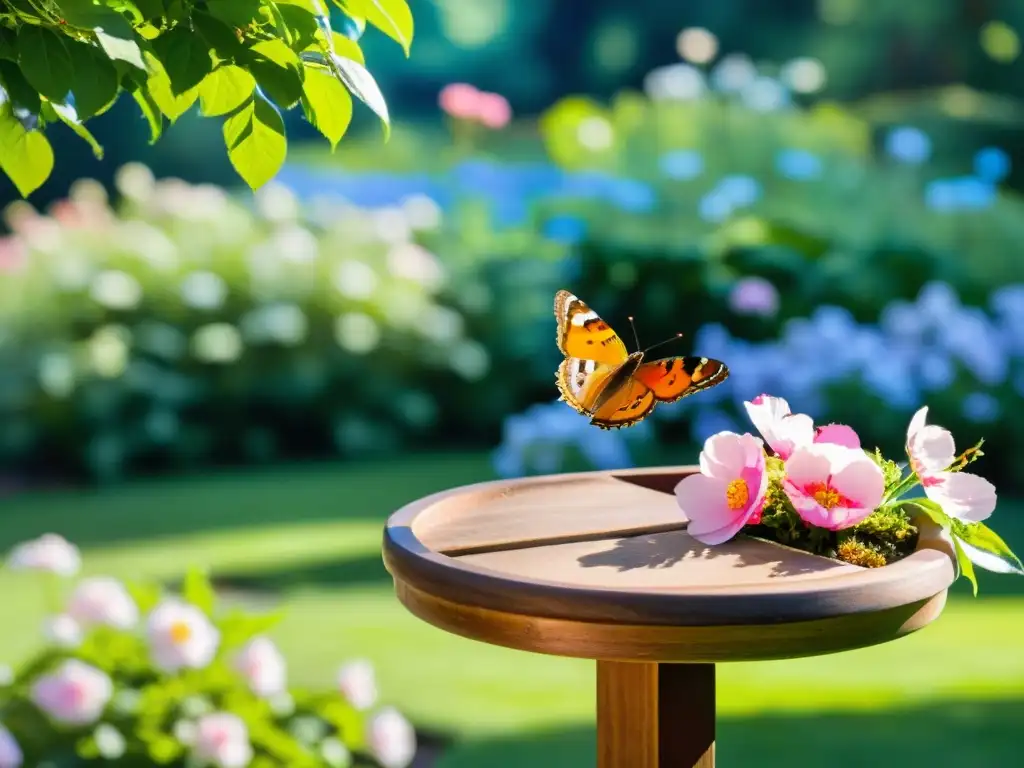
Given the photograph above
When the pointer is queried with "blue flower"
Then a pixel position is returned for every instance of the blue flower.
(605, 450)
(940, 195)
(507, 461)
(907, 144)
(980, 407)
(992, 164)
(798, 164)
(892, 382)
(714, 207)
(740, 189)
(936, 371)
(565, 228)
(632, 196)
(681, 164)
(975, 194)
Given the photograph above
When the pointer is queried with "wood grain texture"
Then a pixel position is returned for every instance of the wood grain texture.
(538, 565)
(617, 641)
(655, 715)
(503, 514)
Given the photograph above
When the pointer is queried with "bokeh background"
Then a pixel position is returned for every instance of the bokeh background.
(825, 194)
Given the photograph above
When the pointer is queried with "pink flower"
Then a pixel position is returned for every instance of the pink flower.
(13, 254)
(263, 667)
(222, 739)
(785, 431)
(459, 100)
(391, 738)
(103, 600)
(962, 495)
(493, 110)
(730, 490)
(75, 693)
(358, 683)
(754, 296)
(833, 486)
(50, 552)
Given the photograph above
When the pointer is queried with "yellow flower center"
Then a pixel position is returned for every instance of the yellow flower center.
(180, 632)
(737, 494)
(827, 497)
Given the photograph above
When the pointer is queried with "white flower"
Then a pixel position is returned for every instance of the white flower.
(263, 667)
(62, 630)
(49, 552)
(10, 752)
(75, 693)
(115, 289)
(358, 684)
(391, 738)
(180, 635)
(221, 739)
(962, 495)
(102, 600)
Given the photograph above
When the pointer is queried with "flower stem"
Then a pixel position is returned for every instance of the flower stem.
(904, 485)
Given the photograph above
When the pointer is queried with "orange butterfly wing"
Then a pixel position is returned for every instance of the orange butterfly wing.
(583, 334)
(674, 378)
(632, 403)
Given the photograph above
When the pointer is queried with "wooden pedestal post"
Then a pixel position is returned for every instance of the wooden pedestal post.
(655, 715)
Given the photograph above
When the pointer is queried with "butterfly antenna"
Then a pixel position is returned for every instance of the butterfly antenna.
(636, 338)
(666, 341)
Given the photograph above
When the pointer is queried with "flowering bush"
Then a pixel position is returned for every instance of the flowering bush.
(132, 676)
(815, 488)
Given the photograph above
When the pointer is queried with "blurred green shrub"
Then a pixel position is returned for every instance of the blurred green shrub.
(185, 328)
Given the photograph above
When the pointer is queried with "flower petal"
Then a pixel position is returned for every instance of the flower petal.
(917, 423)
(858, 479)
(837, 434)
(723, 456)
(966, 497)
(932, 449)
(807, 465)
(702, 498)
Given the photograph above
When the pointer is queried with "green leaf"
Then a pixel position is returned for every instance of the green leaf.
(151, 112)
(327, 105)
(185, 58)
(45, 62)
(927, 507)
(69, 117)
(198, 590)
(14, 82)
(984, 541)
(25, 156)
(362, 85)
(145, 595)
(966, 567)
(112, 30)
(278, 71)
(238, 628)
(237, 13)
(219, 36)
(95, 82)
(162, 93)
(299, 20)
(225, 90)
(255, 139)
(392, 17)
(338, 44)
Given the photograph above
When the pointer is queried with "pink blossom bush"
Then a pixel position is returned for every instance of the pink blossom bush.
(816, 488)
(462, 101)
(129, 675)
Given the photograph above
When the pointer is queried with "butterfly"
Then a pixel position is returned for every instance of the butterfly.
(600, 379)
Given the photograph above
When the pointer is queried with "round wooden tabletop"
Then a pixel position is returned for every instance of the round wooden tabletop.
(599, 565)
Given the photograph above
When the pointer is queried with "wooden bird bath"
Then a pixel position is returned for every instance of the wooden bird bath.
(599, 565)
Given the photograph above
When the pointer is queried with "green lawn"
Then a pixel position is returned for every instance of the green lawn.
(952, 694)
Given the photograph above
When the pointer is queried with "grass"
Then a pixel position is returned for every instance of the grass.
(310, 537)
